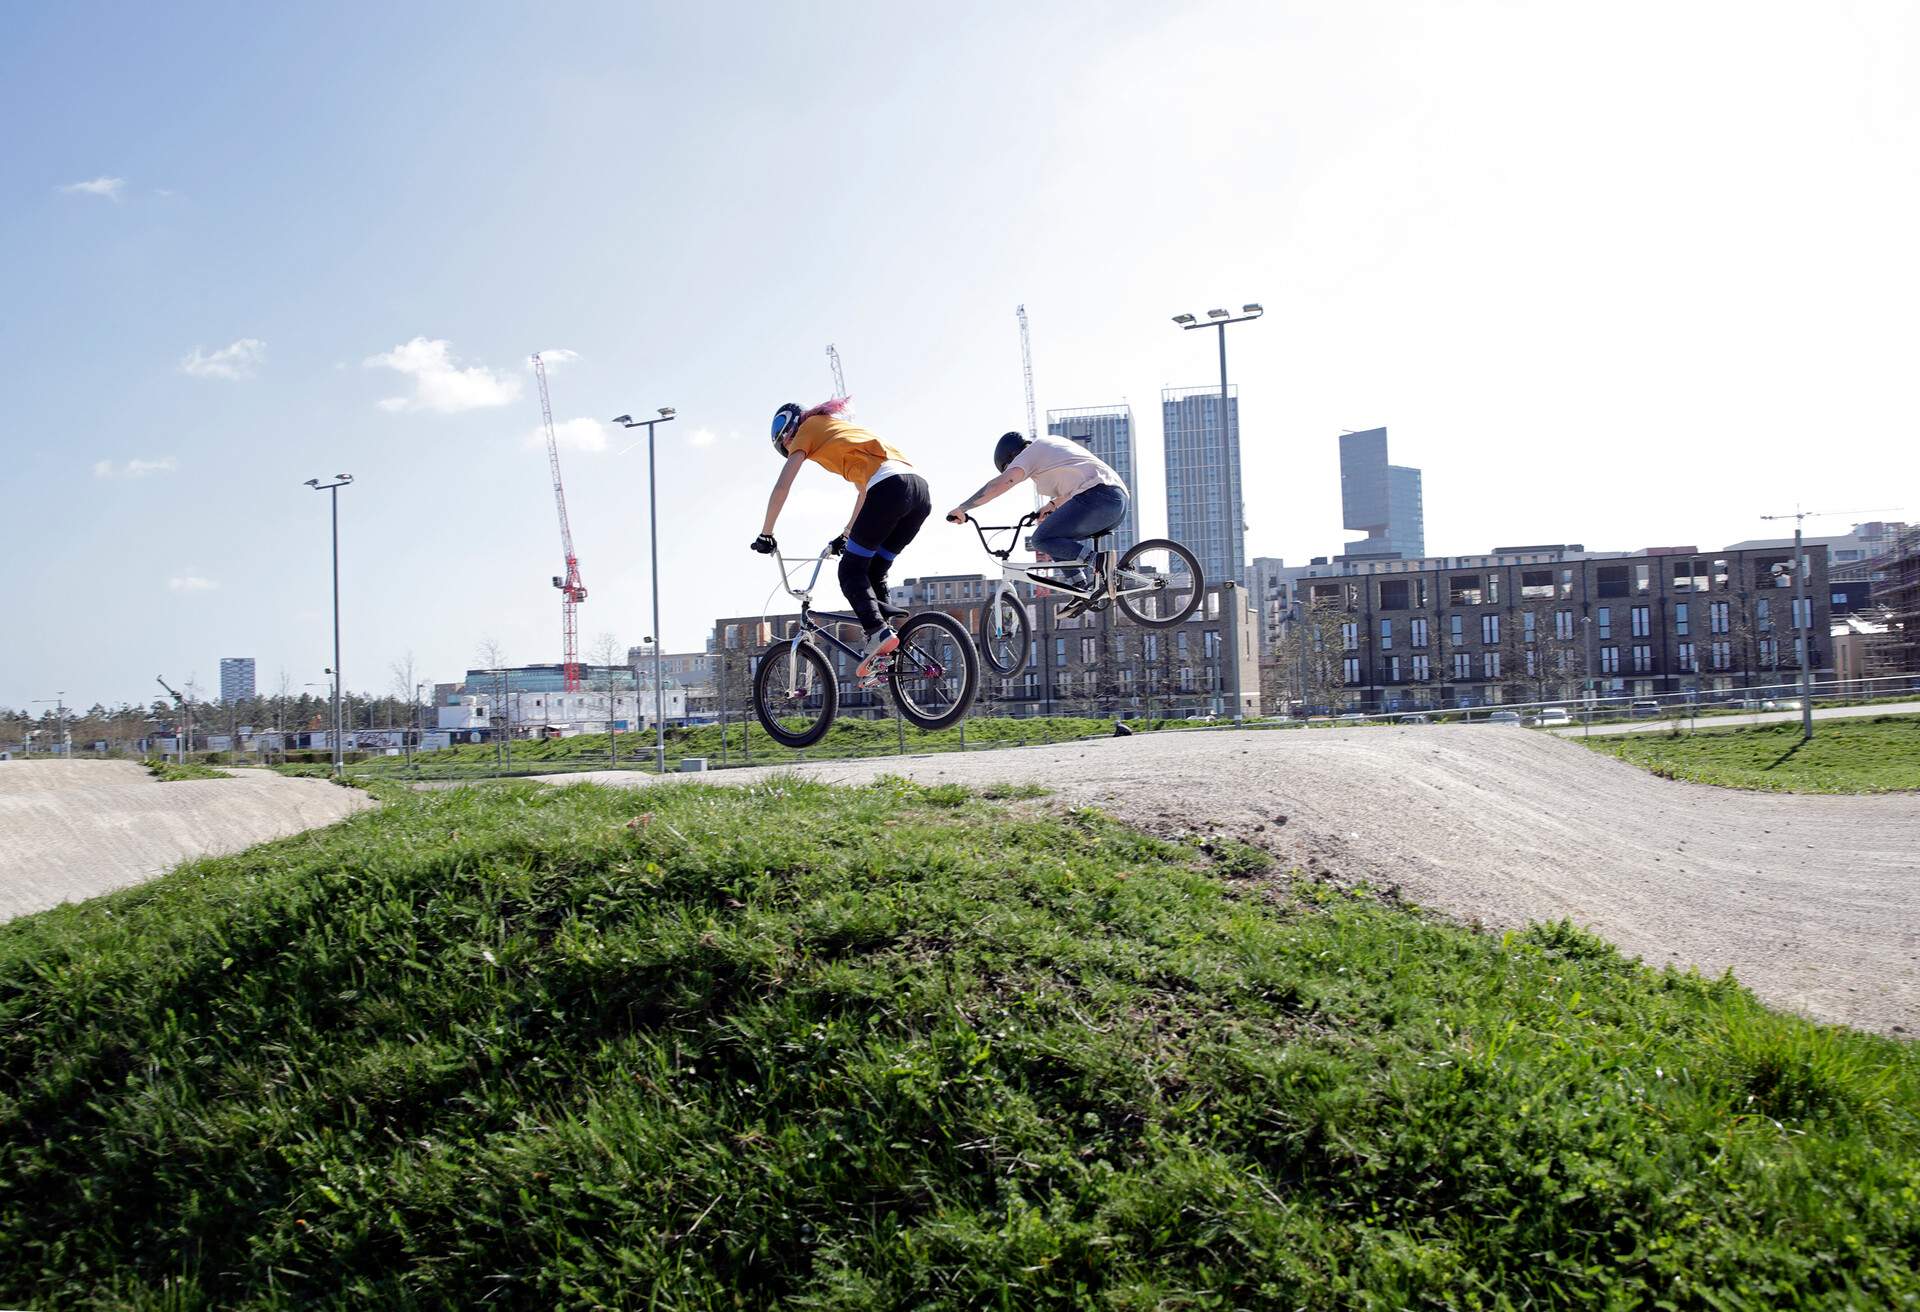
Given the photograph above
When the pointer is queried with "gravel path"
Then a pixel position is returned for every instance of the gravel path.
(1813, 902)
(75, 829)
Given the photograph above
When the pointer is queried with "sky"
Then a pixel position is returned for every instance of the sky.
(1623, 275)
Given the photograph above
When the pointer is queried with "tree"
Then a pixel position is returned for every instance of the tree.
(1312, 647)
(605, 650)
(406, 688)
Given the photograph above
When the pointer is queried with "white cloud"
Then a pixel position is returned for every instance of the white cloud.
(107, 187)
(439, 384)
(133, 468)
(191, 583)
(235, 361)
(573, 435)
(702, 437)
(558, 356)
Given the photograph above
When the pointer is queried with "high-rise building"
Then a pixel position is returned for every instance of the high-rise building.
(1204, 507)
(1379, 499)
(236, 679)
(1107, 431)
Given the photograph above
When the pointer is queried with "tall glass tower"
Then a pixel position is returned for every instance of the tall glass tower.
(1204, 506)
(1107, 431)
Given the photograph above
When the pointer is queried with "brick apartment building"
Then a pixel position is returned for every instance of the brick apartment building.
(1097, 664)
(1540, 623)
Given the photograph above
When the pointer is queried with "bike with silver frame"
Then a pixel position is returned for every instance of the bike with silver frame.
(1157, 583)
(932, 675)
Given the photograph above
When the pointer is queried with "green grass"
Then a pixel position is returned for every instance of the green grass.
(847, 738)
(1877, 754)
(173, 772)
(704, 1048)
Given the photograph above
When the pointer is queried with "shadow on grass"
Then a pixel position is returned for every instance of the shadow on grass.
(1787, 755)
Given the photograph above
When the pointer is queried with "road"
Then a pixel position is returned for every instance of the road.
(1747, 718)
(1812, 901)
(71, 830)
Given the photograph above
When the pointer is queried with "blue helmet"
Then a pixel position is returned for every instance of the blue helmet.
(786, 422)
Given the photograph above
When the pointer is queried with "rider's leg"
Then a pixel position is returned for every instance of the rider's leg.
(919, 503)
(1062, 534)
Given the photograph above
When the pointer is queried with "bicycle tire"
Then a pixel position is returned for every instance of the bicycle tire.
(908, 679)
(1166, 615)
(1004, 634)
(769, 696)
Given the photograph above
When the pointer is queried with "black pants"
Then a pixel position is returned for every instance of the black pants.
(894, 511)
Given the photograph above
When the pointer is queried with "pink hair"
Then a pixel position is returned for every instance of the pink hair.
(836, 406)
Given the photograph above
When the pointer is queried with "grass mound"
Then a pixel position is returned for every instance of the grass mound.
(1880, 754)
(897, 1046)
(173, 772)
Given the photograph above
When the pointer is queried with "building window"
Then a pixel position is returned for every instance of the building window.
(1610, 660)
(1417, 633)
(1563, 625)
(1492, 663)
(1150, 646)
(1463, 589)
(1686, 656)
(1717, 616)
(1612, 580)
(1680, 619)
(1533, 664)
(1393, 669)
(1801, 606)
(1641, 583)
(1527, 633)
(1493, 589)
(1059, 651)
(1393, 595)
(1766, 653)
(1349, 637)
(1089, 650)
(1536, 584)
(1642, 659)
(1722, 653)
(1799, 650)
(1422, 669)
(1489, 629)
(1462, 666)
(1386, 635)
(1603, 617)
(1456, 629)
(1350, 671)
(1642, 619)
(1566, 583)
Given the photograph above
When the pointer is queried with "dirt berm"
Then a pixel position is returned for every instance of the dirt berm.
(1813, 902)
(75, 829)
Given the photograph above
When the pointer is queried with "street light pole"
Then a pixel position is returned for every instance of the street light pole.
(1220, 319)
(653, 529)
(333, 491)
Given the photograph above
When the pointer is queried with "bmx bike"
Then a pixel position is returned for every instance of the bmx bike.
(1157, 583)
(932, 675)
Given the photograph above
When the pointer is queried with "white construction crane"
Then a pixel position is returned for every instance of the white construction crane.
(1026, 364)
(839, 375)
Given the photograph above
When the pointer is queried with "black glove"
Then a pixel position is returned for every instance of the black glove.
(765, 545)
(837, 546)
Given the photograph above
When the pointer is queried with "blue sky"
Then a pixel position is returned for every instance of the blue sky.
(1630, 276)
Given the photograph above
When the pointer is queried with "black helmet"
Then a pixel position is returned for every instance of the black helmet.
(1009, 446)
(786, 421)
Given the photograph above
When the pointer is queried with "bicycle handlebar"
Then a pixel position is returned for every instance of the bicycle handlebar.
(1031, 517)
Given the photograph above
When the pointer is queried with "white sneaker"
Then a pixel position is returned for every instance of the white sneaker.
(883, 644)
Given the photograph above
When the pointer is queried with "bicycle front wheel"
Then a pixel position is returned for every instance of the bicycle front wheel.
(1158, 583)
(1004, 632)
(934, 675)
(795, 695)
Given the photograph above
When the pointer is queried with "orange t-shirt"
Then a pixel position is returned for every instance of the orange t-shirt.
(842, 448)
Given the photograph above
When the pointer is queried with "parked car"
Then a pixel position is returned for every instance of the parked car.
(1352, 717)
(1644, 710)
(1504, 717)
(1552, 715)
(1781, 704)
(1747, 703)
(1413, 718)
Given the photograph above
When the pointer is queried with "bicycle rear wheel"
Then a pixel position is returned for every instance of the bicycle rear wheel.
(1159, 583)
(934, 675)
(795, 694)
(1004, 633)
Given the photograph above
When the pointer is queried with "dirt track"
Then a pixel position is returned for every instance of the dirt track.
(1813, 902)
(75, 829)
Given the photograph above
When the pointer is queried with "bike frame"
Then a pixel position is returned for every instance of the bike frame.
(810, 625)
(1105, 583)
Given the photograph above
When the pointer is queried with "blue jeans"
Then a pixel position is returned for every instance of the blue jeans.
(1060, 535)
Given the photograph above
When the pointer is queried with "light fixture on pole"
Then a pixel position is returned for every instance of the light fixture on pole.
(1220, 319)
(333, 491)
(666, 415)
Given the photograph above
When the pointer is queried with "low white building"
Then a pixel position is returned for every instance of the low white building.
(557, 714)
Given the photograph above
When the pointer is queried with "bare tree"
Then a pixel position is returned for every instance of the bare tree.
(1312, 647)
(501, 721)
(407, 691)
(605, 652)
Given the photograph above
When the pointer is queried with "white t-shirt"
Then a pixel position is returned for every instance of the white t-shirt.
(1062, 469)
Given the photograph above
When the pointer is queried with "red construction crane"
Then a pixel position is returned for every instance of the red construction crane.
(572, 590)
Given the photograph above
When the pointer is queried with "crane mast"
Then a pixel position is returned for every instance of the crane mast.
(1026, 364)
(839, 375)
(572, 590)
